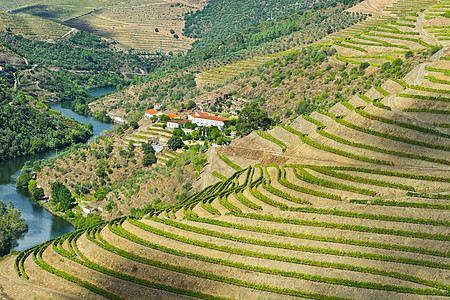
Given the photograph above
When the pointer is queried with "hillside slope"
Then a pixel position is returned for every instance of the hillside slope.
(351, 202)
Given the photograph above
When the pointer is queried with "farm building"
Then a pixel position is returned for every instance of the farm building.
(205, 119)
(151, 113)
(173, 124)
(158, 106)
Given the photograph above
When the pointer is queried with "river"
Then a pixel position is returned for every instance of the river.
(42, 224)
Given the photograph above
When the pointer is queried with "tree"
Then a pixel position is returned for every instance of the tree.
(191, 104)
(252, 117)
(100, 194)
(11, 225)
(147, 148)
(164, 118)
(38, 194)
(148, 159)
(130, 149)
(134, 124)
(175, 142)
(364, 66)
(61, 196)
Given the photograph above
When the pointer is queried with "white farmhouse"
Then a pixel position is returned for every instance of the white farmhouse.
(173, 124)
(151, 113)
(205, 119)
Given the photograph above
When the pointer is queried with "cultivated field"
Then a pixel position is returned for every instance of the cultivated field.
(147, 25)
(348, 203)
(32, 27)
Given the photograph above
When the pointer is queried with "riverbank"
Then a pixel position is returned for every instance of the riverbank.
(43, 221)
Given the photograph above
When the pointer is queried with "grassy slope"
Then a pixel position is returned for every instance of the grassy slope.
(328, 217)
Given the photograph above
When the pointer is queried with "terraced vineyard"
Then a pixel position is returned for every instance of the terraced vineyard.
(32, 27)
(347, 203)
(141, 27)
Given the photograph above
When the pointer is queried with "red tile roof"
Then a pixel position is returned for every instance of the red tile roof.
(172, 116)
(178, 121)
(152, 111)
(208, 117)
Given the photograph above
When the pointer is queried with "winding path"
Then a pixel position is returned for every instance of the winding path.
(417, 81)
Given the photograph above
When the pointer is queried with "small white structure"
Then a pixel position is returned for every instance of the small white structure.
(173, 124)
(234, 133)
(2, 69)
(205, 119)
(151, 113)
(158, 106)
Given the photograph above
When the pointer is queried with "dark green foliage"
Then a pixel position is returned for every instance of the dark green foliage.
(148, 159)
(81, 222)
(11, 225)
(100, 194)
(175, 142)
(38, 194)
(83, 51)
(24, 130)
(252, 118)
(61, 196)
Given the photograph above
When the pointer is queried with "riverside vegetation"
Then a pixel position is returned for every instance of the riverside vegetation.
(346, 200)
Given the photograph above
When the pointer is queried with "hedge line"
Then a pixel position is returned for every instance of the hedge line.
(367, 216)
(350, 46)
(434, 79)
(268, 187)
(445, 71)
(403, 204)
(218, 175)
(328, 172)
(314, 144)
(422, 88)
(424, 97)
(255, 268)
(290, 259)
(257, 194)
(350, 227)
(241, 198)
(375, 102)
(269, 137)
(344, 241)
(382, 134)
(229, 162)
(225, 203)
(427, 110)
(381, 90)
(390, 121)
(400, 82)
(87, 263)
(390, 173)
(302, 174)
(420, 42)
(430, 196)
(374, 148)
(281, 177)
(381, 42)
(207, 206)
(37, 257)
(327, 251)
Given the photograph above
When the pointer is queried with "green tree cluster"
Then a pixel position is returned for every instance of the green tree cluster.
(11, 226)
(61, 196)
(149, 157)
